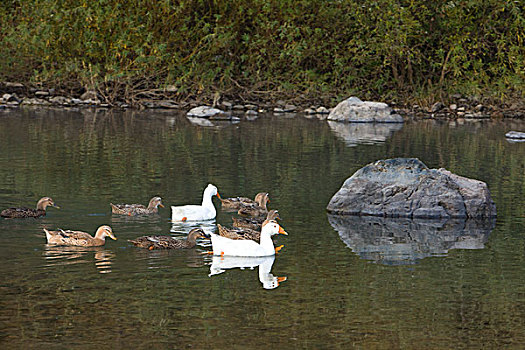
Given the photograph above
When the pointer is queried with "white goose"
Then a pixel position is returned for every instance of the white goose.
(205, 211)
(233, 247)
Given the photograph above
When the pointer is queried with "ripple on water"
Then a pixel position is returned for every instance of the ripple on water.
(65, 255)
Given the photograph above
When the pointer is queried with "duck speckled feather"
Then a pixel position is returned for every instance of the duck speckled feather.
(256, 210)
(239, 202)
(138, 209)
(79, 238)
(23, 212)
(255, 223)
(168, 242)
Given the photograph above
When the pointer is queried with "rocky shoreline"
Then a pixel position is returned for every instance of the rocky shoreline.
(14, 95)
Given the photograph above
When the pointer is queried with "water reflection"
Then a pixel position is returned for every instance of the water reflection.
(398, 241)
(208, 123)
(65, 255)
(185, 227)
(354, 134)
(165, 258)
(136, 219)
(269, 281)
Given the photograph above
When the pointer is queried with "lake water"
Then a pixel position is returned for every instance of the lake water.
(350, 282)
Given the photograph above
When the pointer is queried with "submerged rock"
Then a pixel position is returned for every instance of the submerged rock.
(405, 187)
(353, 110)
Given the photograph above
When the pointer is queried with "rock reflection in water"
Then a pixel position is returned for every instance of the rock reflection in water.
(65, 255)
(354, 134)
(269, 281)
(208, 123)
(399, 241)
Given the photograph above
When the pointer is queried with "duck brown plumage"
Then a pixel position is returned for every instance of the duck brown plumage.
(138, 209)
(168, 242)
(239, 233)
(255, 223)
(79, 238)
(18, 213)
(235, 203)
(256, 210)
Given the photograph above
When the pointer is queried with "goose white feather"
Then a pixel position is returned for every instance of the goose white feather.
(205, 211)
(232, 247)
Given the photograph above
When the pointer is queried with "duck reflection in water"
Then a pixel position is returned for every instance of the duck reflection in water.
(185, 228)
(69, 255)
(222, 263)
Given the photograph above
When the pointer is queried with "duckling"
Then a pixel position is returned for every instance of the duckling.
(168, 242)
(256, 210)
(137, 209)
(239, 202)
(18, 213)
(255, 223)
(79, 238)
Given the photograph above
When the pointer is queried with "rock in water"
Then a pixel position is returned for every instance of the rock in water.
(515, 135)
(204, 112)
(405, 187)
(353, 110)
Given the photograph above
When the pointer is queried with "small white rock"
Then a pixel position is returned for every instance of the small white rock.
(322, 110)
(204, 112)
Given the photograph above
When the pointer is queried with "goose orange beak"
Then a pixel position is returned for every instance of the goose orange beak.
(161, 205)
(281, 279)
(282, 231)
(218, 195)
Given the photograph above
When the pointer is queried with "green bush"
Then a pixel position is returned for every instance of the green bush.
(389, 49)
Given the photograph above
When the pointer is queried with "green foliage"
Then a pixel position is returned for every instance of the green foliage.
(388, 49)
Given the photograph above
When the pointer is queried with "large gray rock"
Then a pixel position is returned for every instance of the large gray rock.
(405, 187)
(353, 110)
(399, 241)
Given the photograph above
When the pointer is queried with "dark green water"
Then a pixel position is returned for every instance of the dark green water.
(404, 285)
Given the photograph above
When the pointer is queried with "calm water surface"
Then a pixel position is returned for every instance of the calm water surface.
(363, 283)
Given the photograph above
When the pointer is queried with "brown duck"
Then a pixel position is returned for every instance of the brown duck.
(168, 242)
(79, 238)
(239, 202)
(239, 233)
(17, 213)
(138, 209)
(256, 210)
(247, 233)
(255, 223)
